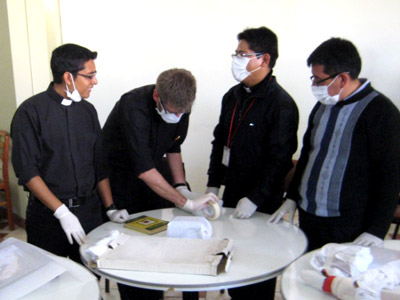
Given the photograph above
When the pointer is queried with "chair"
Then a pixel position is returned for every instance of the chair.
(4, 182)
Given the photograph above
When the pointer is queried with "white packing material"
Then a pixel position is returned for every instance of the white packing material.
(342, 260)
(168, 255)
(101, 246)
(191, 227)
(355, 272)
(24, 268)
(372, 284)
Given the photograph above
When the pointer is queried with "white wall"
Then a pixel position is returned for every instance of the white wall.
(136, 40)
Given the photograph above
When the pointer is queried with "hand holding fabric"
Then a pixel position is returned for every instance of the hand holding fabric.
(70, 224)
(367, 240)
(287, 207)
(244, 209)
(118, 215)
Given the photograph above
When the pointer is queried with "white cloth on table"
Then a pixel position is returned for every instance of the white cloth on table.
(192, 227)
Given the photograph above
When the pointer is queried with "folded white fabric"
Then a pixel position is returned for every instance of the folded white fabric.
(342, 260)
(192, 227)
(101, 246)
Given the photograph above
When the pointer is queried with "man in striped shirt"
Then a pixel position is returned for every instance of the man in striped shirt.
(347, 180)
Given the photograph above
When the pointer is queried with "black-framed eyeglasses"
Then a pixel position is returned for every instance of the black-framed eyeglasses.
(90, 77)
(318, 82)
(241, 55)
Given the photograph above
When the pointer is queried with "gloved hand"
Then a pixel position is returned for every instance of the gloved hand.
(244, 209)
(367, 240)
(199, 202)
(70, 224)
(184, 191)
(212, 189)
(118, 215)
(287, 207)
(215, 190)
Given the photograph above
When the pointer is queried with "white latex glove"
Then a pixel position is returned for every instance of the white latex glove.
(215, 190)
(212, 189)
(287, 207)
(70, 224)
(184, 191)
(118, 215)
(367, 240)
(200, 202)
(244, 209)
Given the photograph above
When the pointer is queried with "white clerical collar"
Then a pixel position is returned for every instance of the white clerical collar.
(247, 89)
(66, 102)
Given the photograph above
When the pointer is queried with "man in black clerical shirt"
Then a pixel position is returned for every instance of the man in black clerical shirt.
(56, 156)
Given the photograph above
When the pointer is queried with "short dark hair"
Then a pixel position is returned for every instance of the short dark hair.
(337, 55)
(262, 40)
(177, 87)
(69, 58)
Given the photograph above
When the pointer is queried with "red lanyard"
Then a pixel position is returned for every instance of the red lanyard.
(240, 122)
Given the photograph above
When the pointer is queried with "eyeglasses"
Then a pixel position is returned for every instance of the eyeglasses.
(169, 112)
(90, 77)
(241, 55)
(318, 82)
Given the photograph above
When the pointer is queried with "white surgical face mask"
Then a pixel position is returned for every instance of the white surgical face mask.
(74, 96)
(169, 118)
(239, 68)
(322, 95)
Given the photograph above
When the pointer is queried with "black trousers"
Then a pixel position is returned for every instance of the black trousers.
(45, 231)
(324, 230)
(263, 290)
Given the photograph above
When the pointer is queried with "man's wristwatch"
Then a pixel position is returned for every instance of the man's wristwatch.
(111, 207)
(179, 184)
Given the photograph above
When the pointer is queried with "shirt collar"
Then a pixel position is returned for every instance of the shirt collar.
(56, 96)
(255, 88)
(364, 83)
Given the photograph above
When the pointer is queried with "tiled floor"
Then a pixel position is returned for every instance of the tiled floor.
(20, 233)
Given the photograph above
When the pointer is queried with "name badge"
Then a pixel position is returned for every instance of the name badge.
(226, 156)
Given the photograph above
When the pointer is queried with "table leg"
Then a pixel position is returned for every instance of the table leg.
(190, 295)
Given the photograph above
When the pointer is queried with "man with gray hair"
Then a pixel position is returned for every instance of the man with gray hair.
(146, 128)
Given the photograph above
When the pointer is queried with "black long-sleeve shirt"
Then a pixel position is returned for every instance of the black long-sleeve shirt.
(262, 148)
(61, 144)
(135, 138)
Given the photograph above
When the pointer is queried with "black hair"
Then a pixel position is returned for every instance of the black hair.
(337, 55)
(69, 58)
(261, 40)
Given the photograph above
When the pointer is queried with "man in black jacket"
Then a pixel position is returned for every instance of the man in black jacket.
(254, 139)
